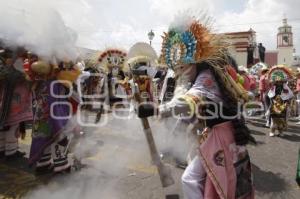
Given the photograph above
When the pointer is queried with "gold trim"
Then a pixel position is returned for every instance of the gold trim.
(213, 177)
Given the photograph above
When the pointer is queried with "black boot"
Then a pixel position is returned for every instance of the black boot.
(44, 170)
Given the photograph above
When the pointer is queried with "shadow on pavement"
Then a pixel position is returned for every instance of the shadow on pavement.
(257, 124)
(254, 132)
(292, 138)
(294, 129)
(17, 179)
(258, 142)
(268, 182)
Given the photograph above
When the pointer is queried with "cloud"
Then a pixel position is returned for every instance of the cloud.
(102, 23)
(169, 8)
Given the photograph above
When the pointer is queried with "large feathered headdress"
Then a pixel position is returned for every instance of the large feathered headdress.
(112, 58)
(189, 41)
(280, 73)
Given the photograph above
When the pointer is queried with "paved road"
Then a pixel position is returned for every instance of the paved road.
(274, 161)
(119, 167)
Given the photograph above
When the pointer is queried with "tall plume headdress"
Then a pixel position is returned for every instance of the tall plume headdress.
(112, 58)
(189, 41)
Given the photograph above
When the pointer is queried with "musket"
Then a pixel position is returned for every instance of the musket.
(163, 170)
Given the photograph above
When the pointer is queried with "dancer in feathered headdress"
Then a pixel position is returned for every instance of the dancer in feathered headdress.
(142, 58)
(113, 61)
(208, 92)
(280, 95)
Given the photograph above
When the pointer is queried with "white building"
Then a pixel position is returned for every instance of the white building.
(239, 43)
(285, 44)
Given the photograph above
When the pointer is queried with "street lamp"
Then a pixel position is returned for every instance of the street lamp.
(151, 36)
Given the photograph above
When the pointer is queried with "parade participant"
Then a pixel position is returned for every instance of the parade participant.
(168, 86)
(222, 167)
(280, 94)
(95, 91)
(263, 92)
(94, 85)
(51, 113)
(248, 82)
(142, 59)
(113, 60)
(15, 104)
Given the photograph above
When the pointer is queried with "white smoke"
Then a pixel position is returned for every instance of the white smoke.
(38, 27)
(114, 153)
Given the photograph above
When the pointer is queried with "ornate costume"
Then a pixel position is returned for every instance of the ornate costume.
(280, 94)
(142, 60)
(113, 60)
(52, 111)
(206, 84)
(15, 107)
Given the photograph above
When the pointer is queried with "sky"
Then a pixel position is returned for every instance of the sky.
(102, 24)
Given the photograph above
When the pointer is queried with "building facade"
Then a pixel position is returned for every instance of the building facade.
(244, 42)
(285, 44)
(240, 44)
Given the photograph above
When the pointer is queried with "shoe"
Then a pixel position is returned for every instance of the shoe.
(271, 134)
(67, 170)
(267, 124)
(16, 155)
(44, 170)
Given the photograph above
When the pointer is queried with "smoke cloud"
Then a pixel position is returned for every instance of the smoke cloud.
(114, 155)
(38, 27)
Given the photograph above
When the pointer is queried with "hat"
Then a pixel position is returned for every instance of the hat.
(141, 54)
(191, 42)
(279, 73)
(112, 58)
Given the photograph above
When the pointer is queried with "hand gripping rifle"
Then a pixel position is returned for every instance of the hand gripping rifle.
(163, 170)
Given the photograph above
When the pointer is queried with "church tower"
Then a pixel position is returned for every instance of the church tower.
(285, 44)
